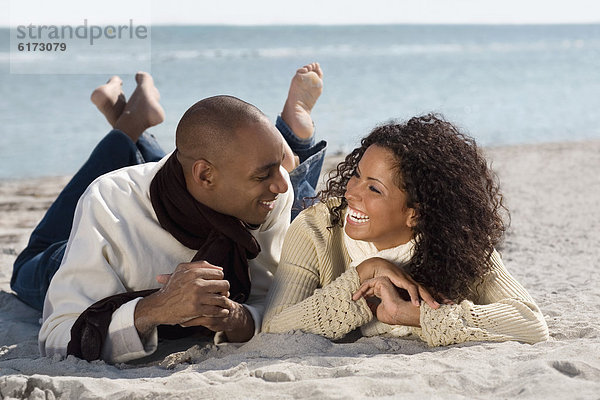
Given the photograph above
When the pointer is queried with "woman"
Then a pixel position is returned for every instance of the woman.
(416, 202)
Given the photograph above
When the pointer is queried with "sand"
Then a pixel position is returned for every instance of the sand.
(552, 248)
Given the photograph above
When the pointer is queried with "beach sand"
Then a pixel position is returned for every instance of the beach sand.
(552, 248)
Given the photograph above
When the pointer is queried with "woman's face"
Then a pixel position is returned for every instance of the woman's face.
(377, 210)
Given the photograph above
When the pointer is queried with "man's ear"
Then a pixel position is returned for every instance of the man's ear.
(203, 173)
(411, 219)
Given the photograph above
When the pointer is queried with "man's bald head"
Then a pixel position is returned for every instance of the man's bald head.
(208, 128)
(231, 155)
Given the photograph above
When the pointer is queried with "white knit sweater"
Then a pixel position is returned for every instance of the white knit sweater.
(316, 278)
(117, 245)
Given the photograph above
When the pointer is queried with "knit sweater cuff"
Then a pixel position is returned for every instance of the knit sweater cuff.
(507, 319)
(448, 325)
(336, 313)
(328, 312)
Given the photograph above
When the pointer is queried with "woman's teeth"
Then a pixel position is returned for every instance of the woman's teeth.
(357, 216)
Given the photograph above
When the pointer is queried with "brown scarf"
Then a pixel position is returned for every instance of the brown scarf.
(220, 239)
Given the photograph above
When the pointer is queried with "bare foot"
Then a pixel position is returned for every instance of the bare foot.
(110, 99)
(143, 110)
(291, 160)
(305, 89)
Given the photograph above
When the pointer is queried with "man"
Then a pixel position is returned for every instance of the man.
(207, 222)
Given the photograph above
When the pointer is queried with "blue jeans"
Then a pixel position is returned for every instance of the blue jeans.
(36, 265)
(305, 176)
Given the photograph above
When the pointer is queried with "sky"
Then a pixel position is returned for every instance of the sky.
(261, 12)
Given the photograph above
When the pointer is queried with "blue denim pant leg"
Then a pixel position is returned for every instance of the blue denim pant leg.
(36, 265)
(305, 176)
(149, 149)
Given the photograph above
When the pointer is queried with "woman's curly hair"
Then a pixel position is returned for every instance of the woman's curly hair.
(460, 210)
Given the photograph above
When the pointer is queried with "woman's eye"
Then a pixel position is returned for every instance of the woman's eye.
(374, 189)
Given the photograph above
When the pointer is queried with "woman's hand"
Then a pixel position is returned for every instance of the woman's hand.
(378, 267)
(392, 309)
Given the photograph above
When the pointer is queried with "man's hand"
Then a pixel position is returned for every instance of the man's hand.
(378, 267)
(238, 325)
(193, 291)
(392, 309)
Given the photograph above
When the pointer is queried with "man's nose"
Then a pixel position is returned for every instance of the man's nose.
(279, 185)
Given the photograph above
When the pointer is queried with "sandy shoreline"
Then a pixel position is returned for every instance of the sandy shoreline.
(552, 248)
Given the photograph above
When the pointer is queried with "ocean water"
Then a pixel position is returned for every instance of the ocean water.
(501, 84)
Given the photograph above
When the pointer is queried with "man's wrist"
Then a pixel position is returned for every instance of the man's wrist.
(142, 317)
(243, 328)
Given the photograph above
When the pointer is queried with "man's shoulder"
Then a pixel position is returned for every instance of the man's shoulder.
(125, 191)
(125, 181)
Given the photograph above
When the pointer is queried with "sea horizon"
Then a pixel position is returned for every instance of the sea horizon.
(500, 83)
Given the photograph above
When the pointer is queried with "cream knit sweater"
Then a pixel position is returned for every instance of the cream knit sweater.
(316, 278)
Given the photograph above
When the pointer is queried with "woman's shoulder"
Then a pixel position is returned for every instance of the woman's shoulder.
(316, 218)
(313, 225)
(319, 212)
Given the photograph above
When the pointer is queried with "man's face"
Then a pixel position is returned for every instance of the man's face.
(250, 176)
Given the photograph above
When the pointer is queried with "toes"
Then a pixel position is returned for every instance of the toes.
(142, 77)
(318, 70)
(312, 67)
(115, 80)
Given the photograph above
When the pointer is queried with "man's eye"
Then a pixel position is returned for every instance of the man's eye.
(262, 178)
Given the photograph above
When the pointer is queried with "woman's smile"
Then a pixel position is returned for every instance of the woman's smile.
(356, 217)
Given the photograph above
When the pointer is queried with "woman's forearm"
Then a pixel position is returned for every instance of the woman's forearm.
(328, 312)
